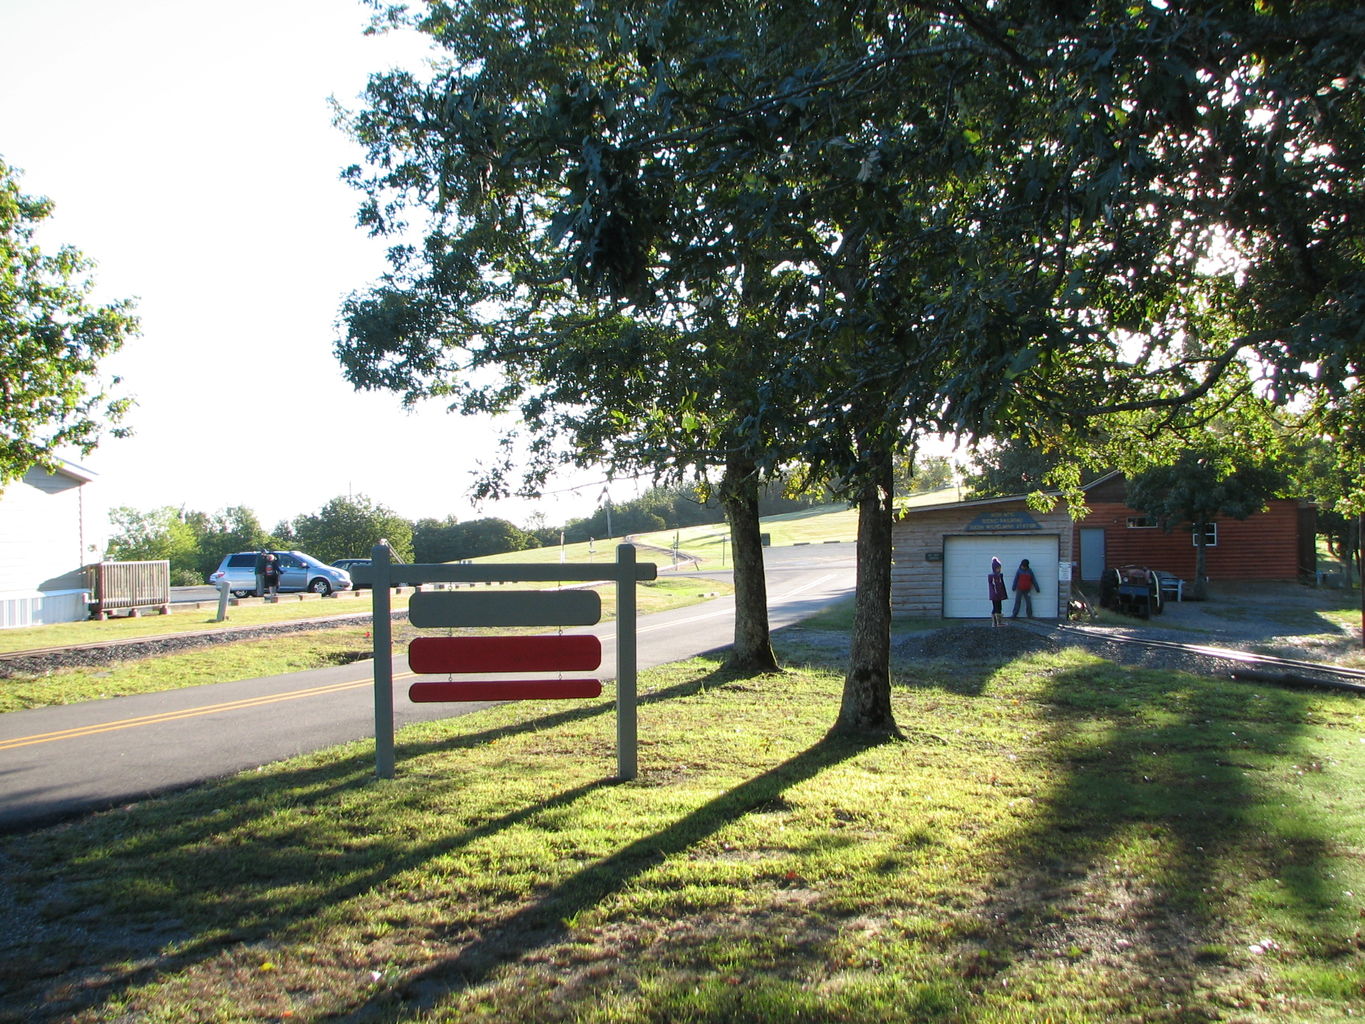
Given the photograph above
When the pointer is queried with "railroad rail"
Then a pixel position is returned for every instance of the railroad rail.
(1257, 667)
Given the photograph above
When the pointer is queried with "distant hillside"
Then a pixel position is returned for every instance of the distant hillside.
(710, 542)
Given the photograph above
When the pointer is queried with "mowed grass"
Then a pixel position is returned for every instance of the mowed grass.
(291, 608)
(1056, 839)
(276, 655)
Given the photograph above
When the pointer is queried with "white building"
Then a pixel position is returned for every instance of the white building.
(49, 530)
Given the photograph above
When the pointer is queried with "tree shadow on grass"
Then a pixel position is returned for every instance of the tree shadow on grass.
(545, 921)
(173, 868)
(1160, 815)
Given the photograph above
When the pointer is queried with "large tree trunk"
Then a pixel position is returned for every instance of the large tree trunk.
(866, 706)
(753, 651)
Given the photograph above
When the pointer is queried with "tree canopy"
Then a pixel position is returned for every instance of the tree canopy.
(348, 527)
(969, 218)
(52, 340)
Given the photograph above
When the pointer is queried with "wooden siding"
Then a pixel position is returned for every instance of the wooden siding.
(1264, 546)
(917, 582)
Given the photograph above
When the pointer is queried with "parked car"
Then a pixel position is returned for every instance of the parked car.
(354, 563)
(297, 572)
(351, 563)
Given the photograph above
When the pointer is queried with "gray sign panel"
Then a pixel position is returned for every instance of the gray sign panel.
(440, 609)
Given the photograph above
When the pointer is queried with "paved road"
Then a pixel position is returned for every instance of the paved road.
(62, 761)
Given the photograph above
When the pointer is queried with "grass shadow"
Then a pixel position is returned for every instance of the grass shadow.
(237, 895)
(546, 920)
(1158, 817)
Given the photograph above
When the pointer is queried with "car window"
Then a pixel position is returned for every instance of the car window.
(242, 562)
(290, 562)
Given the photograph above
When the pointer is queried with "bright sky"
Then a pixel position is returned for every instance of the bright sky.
(189, 150)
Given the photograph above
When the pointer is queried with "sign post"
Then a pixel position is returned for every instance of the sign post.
(382, 631)
(504, 654)
(625, 662)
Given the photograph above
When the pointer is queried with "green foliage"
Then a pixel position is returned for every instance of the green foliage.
(232, 529)
(348, 527)
(751, 234)
(452, 541)
(52, 341)
(161, 533)
(193, 542)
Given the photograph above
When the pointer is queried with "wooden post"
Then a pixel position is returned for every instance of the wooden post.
(382, 631)
(625, 663)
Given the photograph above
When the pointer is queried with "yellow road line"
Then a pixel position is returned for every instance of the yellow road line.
(172, 716)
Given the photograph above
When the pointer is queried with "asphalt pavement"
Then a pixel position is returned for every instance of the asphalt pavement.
(63, 761)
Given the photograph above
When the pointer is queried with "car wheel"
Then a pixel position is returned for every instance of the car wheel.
(320, 586)
(242, 593)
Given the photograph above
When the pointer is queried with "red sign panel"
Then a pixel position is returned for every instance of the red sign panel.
(430, 655)
(506, 689)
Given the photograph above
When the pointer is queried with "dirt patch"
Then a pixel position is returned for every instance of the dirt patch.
(978, 643)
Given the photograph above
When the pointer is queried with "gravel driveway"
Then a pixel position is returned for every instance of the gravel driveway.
(1286, 620)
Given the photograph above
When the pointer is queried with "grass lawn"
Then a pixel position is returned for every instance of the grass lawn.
(1056, 839)
(291, 607)
(288, 652)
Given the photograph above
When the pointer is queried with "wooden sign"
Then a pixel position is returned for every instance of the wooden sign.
(442, 654)
(444, 609)
(503, 689)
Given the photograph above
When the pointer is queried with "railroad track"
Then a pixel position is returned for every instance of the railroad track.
(185, 638)
(1250, 667)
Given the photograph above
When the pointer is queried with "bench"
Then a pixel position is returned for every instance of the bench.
(1171, 585)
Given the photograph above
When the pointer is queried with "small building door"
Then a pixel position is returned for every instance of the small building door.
(1092, 553)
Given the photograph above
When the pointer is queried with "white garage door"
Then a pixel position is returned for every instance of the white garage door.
(967, 562)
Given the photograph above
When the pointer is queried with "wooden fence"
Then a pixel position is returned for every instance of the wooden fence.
(131, 587)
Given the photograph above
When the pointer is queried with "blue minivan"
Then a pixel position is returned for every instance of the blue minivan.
(297, 572)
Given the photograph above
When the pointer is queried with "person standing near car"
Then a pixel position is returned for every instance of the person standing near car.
(260, 573)
(995, 587)
(271, 577)
(1025, 583)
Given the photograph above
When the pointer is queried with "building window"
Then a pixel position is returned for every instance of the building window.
(1141, 523)
(1210, 535)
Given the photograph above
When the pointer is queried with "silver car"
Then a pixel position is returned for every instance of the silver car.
(297, 572)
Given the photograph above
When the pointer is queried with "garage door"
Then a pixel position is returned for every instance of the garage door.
(967, 561)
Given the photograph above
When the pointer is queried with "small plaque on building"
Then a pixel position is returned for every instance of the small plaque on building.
(1011, 521)
(933, 556)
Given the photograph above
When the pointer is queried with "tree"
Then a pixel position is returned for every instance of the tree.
(946, 218)
(351, 526)
(1327, 466)
(450, 540)
(154, 535)
(679, 391)
(52, 340)
(928, 473)
(233, 529)
(1203, 484)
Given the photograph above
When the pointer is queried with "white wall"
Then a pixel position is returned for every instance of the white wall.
(43, 545)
